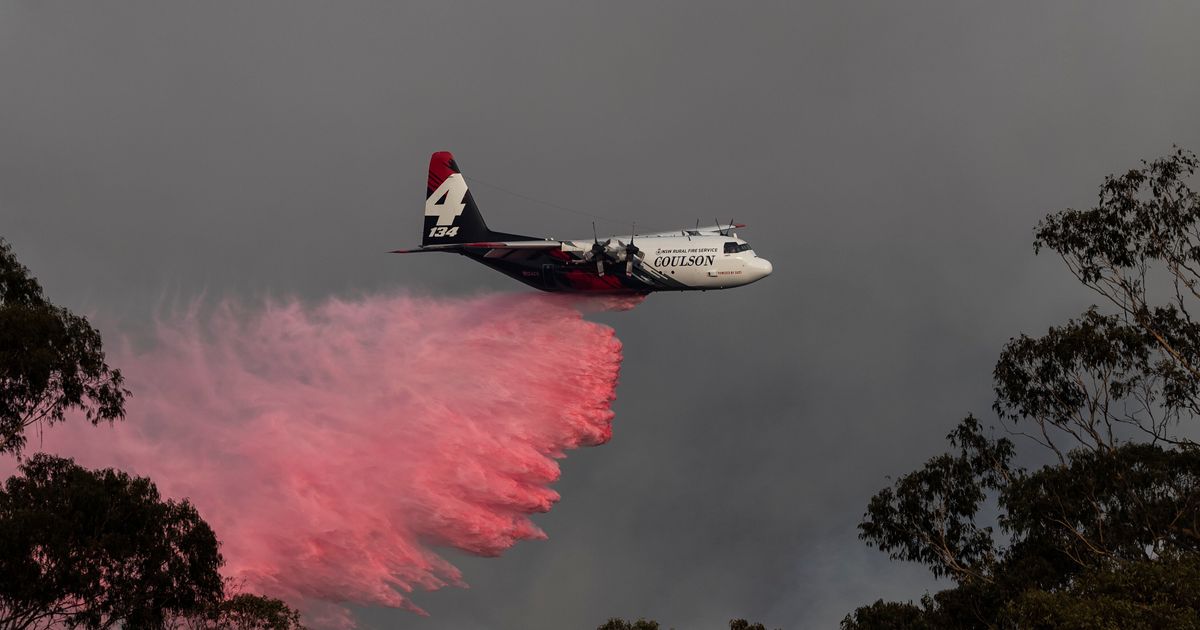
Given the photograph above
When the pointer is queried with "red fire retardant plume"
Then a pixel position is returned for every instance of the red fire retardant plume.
(334, 448)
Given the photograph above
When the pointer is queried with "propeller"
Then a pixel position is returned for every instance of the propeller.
(631, 251)
(606, 252)
(598, 252)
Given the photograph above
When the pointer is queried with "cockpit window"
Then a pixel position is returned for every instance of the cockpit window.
(744, 247)
(732, 247)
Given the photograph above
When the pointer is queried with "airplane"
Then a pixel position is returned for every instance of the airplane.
(697, 259)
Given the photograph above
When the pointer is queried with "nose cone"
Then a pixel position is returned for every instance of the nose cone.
(758, 268)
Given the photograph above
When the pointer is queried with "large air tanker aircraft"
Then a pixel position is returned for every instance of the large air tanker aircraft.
(686, 260)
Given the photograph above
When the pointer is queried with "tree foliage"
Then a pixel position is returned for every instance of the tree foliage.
(94, 549)
(99, 549)
(51, 360)
(929, 515)
(1109, 534)
(892, 616)
(1142, 594)
(617, 623)
(742, 624)
(256, 612)
(241, 611)
(1139, 249)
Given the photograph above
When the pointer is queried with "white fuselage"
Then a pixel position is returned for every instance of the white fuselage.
(699, 262)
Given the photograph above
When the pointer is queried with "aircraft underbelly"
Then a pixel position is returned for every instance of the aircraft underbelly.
(548, 274)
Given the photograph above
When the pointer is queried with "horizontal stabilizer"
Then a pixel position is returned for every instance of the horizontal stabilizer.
(454, 247)
(516, 245)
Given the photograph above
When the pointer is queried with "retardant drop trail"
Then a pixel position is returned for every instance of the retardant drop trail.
(334, 448)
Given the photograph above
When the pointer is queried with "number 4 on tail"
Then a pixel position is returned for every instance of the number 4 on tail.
(447, 202)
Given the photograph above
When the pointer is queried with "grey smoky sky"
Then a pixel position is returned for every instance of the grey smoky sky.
(891, 159)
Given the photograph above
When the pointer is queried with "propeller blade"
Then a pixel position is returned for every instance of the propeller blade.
(600, 266)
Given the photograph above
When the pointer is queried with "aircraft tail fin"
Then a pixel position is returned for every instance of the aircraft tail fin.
(451, 215)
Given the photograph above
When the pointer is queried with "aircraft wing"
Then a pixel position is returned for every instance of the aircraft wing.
(712, 230)
(501, 245)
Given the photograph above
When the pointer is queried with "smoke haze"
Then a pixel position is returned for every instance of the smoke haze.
(334, 448)
(890, 158)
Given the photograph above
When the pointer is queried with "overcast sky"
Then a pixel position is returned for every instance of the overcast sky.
(890, 158)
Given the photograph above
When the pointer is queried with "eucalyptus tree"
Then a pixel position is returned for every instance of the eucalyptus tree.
(51, 360)
(1108, 533)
